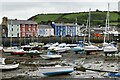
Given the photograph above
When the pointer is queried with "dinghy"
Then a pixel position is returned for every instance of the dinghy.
(49, 55)
(4, 66)
(55, 70)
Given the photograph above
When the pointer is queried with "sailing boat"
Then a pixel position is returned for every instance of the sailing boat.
(108, 47)
(90, 48)
(79, 47)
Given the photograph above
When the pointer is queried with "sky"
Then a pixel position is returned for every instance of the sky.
(24, 9)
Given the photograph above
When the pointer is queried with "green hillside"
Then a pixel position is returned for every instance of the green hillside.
(97, 18)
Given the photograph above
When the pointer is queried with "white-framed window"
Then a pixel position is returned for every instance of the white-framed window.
(11, 29)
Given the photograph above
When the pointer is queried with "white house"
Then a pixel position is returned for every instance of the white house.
(45, 30)
(21, 28)
(13, 29)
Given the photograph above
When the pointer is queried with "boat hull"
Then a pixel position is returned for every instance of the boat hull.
(51, 56)
(8, 67)
(50, 71)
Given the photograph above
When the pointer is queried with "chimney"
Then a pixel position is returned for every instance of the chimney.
(4, 21)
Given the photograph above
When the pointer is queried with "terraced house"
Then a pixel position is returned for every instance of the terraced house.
(64, 29)
(45, 30)
(21, 28)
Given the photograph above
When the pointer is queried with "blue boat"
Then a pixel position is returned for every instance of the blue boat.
(78, 48)
(114, 74)
(57, 70)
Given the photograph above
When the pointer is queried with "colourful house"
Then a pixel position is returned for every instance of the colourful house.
(64, 29)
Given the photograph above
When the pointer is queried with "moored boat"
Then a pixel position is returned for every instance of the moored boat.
(4, 66)
(19, 52)
(50, 55)
(55, 70)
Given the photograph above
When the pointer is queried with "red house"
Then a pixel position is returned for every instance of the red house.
(28, 28)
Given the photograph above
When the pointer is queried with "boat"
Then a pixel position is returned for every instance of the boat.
(4, 66)
(19, 52)
(50, 55)
(78, 48)
(55, 70)
(114, 74)
(34, 52)
(30, 47)
(108, 47)
(62, 48)
(1, 48)
(53, 46)
(90, 47)
(10, 49)
(47, 45)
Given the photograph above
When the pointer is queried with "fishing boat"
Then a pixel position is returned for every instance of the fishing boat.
(50, 55)
(62, 48)
(4, 66)
(55, 70)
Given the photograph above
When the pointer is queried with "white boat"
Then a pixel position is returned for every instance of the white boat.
(1, 48)
(91, 48)
(51, 56)
(4, 66)
(108, 48)
(62, 48)
(47, 45)
(53, 46)
(55, 70)
(10, 49)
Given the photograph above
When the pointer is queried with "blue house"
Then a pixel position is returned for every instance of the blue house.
(63, 29)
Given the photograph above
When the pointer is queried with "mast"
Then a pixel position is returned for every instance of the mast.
(11, 34)
(76, 30)
(108, 21)
(106, 25)
(85, 30)
(89, 25)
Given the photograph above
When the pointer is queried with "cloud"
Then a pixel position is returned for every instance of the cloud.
(24, 10)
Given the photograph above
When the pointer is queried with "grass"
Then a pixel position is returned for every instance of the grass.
(97, 18)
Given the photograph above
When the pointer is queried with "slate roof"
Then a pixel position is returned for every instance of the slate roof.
(44, 26)
(17, 22)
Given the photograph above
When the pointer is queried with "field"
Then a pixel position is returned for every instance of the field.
(97, 18)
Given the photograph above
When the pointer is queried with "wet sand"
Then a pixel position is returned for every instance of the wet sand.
(28, 64)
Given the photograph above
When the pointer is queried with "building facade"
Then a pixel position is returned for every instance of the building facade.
(45, 30)
(22, 28)
(64, 29)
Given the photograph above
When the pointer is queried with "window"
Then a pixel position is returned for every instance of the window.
(17, 34)
(12, 29)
